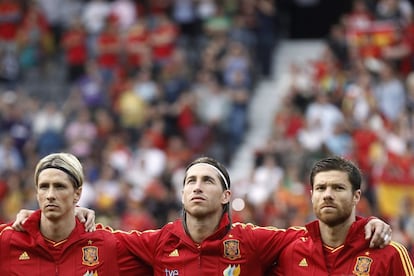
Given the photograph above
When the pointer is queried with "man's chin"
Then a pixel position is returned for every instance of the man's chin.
(198, 213)
(51, 215)
(333, 218)
(332, 221)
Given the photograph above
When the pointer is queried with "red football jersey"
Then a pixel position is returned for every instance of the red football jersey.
(82, 253)
(308, 256)
(237, 249)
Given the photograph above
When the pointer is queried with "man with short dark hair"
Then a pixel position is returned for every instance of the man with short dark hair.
(335, 243)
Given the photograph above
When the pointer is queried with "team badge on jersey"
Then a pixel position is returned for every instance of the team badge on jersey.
(90, 255)
(362, 266)
(231, 249)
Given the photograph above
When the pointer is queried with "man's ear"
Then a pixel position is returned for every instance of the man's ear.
(357, 196)
(77, 196)
(226, 197)
(182, 196)
(311, 193)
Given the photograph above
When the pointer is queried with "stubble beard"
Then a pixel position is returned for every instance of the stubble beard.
(334, 219)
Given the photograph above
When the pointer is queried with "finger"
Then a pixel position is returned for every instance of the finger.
(377, 238)
(89, 226)
(18, 226)
(382, 239)
(90, 222)
(386, 238)
(374, 230)
(368, 231)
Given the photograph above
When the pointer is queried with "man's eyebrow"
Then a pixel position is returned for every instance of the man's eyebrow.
(207, 177)
(189, 177)
(204, 177)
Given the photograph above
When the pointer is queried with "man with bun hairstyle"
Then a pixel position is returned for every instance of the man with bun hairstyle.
(54, 241)
(205, 241)
(335, 243)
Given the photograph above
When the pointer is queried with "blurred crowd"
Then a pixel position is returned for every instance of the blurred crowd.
(150, 85)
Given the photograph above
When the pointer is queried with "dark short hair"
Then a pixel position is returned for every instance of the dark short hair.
(213, 162)
(337, 163)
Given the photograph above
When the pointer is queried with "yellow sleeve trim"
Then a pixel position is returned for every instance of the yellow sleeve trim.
(405, 258)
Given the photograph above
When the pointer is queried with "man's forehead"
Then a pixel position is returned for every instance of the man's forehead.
(333, 176)
(201, 169)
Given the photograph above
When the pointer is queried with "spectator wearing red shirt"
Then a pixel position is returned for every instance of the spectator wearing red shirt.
(163, 39)
(108, 48)
(360, 17)
(75, 47)
(136, 43)
(11, 14)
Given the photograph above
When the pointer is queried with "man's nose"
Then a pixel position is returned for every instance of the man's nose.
(197, 186)
(328, 194)
(50, 193)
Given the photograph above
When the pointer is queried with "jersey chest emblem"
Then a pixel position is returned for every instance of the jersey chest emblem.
(231, 249)
(90, 255)
(362, 266)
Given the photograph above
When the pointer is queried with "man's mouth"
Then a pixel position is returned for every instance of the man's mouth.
(198, 198)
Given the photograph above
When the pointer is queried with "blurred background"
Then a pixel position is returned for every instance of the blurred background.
(137, 89)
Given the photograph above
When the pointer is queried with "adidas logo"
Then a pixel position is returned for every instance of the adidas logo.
(174, 253)
(303, 262)
(24, 256)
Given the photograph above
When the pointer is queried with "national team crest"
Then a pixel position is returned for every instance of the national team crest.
(90, 255)
(362, 266)
(231, 249)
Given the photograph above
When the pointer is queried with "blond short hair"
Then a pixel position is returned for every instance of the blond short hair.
(66, 162)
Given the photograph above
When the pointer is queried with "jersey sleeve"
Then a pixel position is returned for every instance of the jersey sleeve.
(129, 264)
(140, 244)
(270, 241)
(401, 262)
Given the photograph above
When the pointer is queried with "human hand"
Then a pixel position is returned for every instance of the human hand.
(86, 216)
(21, 218)
(379, 232)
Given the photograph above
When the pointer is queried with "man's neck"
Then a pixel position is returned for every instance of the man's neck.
(57, 230)
(200, 228)
(334, 236)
